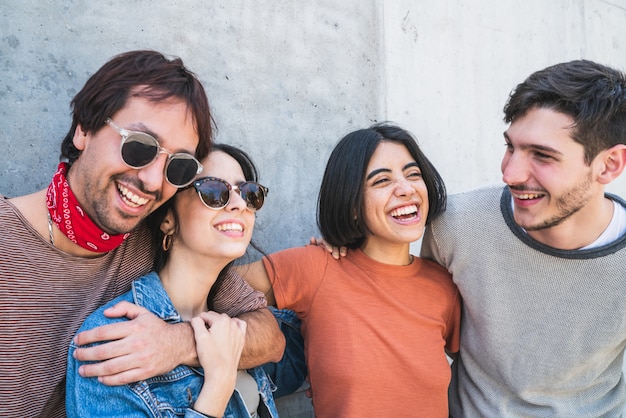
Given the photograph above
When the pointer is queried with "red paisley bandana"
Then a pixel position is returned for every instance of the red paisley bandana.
(72, 221)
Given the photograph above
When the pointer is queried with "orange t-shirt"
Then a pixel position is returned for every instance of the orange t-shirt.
(374, 333)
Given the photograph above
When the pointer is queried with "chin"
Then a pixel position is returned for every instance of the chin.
(233, 253)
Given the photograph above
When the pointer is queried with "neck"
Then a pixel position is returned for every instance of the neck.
(69, 247)
(397, 255)
(33, 208)
(188, 279)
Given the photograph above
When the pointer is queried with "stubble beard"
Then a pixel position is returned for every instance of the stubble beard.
(567, 204)
(110, 219)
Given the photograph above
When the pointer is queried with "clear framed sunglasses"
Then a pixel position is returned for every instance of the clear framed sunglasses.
(139, 149)
(215, 192)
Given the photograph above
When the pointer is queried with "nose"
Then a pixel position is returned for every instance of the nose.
(236, 202)
(153, 175)
(514, 168)
(404, 187)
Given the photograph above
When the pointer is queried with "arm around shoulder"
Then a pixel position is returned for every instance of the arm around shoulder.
(256, 276)
(142, 347)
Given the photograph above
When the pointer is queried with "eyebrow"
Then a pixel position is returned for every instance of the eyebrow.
(140, 127)
(534, 146)
(386, 170)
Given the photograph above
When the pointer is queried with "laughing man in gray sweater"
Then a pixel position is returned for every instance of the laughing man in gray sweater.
(541, 263)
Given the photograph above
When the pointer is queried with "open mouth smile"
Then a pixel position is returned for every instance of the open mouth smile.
(405, 212)
(130, 198)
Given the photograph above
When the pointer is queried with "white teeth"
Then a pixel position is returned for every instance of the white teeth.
(405, 210)
(230, 227)
(130, 198)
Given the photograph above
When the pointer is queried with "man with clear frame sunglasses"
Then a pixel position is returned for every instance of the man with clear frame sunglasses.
(79, 243)
(140, 149)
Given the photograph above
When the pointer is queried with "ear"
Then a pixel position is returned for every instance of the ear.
(614, 162)
(80, 138)
(168, 225)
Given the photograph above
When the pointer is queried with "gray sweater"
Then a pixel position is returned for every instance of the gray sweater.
(543, 330)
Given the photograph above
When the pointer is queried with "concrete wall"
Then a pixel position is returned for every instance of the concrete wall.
(450, 66)
(287, 79)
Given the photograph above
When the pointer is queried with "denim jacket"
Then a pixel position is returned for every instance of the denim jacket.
(169, 395)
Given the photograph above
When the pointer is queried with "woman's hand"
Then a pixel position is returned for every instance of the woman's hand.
(219, 342)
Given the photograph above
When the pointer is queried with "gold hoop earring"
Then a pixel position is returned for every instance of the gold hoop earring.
(167, 242)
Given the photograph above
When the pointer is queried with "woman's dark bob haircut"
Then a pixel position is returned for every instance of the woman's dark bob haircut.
(341, 192)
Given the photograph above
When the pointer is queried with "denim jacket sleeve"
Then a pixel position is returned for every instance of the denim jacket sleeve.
(85, 396)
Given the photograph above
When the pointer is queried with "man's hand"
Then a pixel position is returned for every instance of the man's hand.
(337, 252)
(138, 349)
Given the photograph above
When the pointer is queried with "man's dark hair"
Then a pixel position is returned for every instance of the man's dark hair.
(593, 95)
(146, 74)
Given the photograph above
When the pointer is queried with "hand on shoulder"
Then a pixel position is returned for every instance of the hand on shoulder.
(337, 252)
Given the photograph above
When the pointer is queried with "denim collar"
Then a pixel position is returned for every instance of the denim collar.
(149, 293)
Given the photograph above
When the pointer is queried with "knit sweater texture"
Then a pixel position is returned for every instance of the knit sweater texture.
(543, 330)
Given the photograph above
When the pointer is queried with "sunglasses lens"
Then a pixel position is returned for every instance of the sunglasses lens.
(139, 150)
(253, 195)
(213, 193)
(181, 170)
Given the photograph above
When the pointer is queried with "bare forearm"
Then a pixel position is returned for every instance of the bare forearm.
(264, 340)
(186, 346)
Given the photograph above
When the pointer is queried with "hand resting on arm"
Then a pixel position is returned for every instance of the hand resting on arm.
(146, 346)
